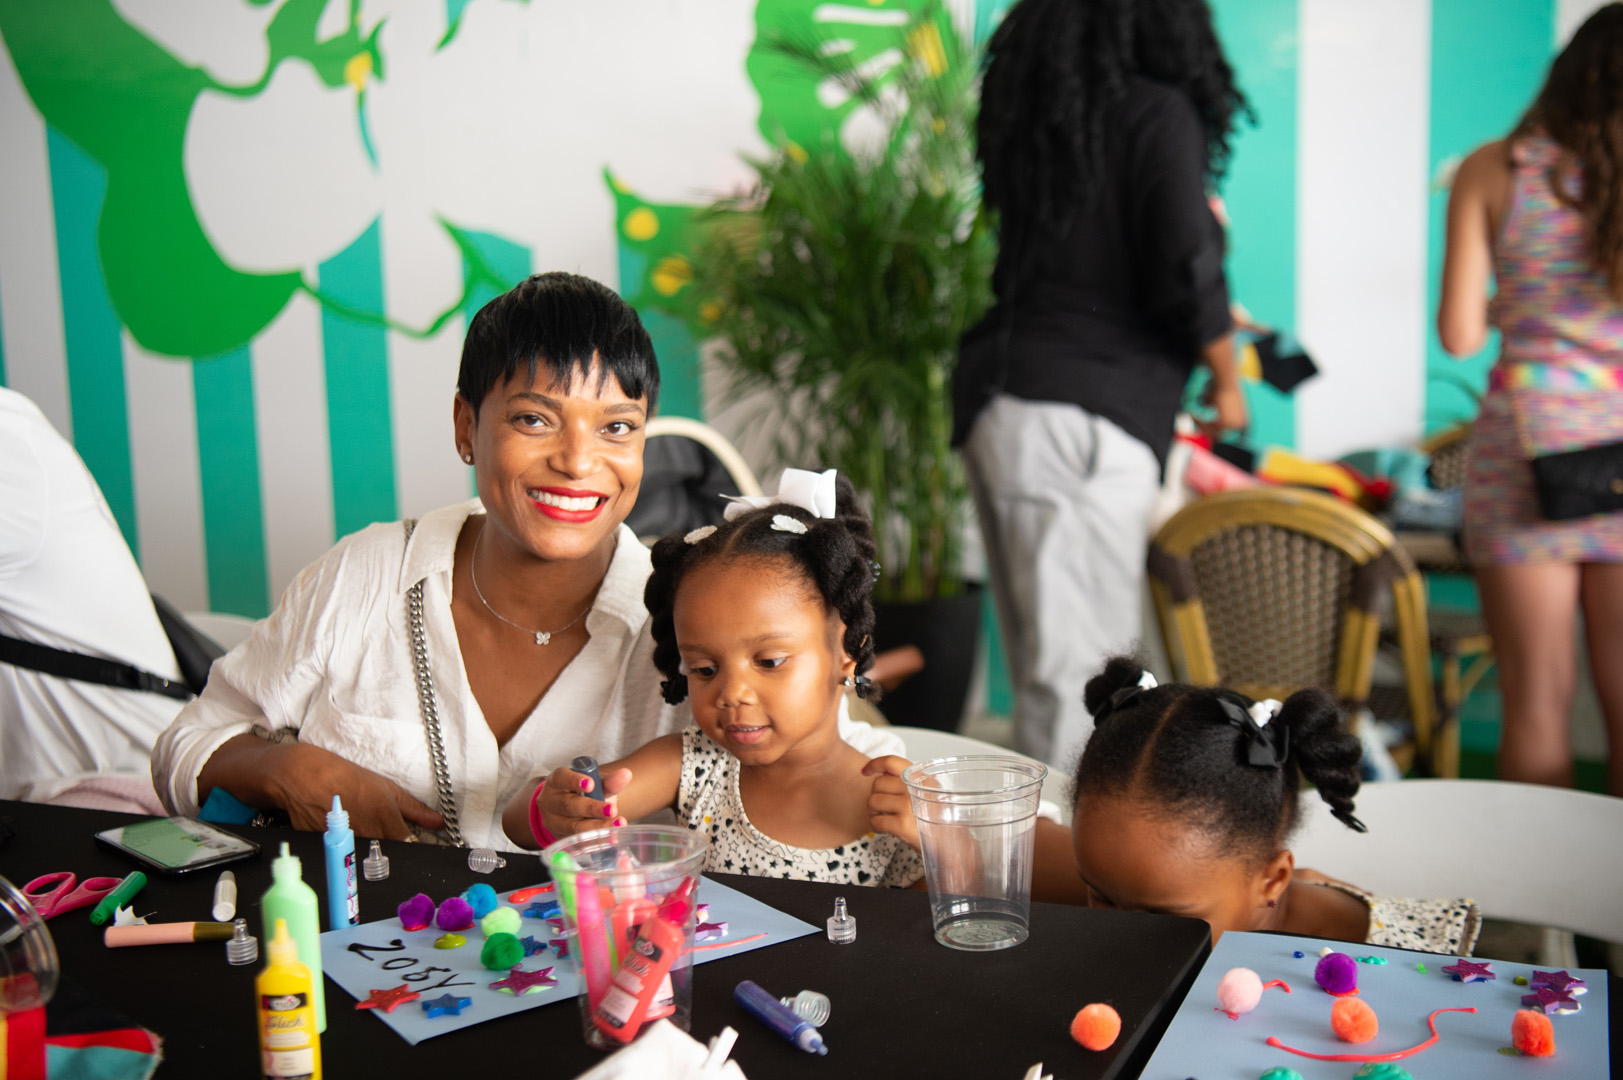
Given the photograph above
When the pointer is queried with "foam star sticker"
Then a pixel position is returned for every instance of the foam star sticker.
(388, 1000)
(541, 909)
(560, 947)
(446, 1005)
(556, 926)
(709, 930)
(1467, 971)
(521, 982)
(531, 946)
(1550, 1000)
(1559, 981)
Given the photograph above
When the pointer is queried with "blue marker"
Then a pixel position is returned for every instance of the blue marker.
(588, 765)
(779, 1017)
(343, 901)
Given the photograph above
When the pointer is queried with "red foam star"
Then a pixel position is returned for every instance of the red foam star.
(388, 1000)
(519, 981)
(1468, 971)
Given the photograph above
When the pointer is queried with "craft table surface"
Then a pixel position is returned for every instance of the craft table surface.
(903, 1005)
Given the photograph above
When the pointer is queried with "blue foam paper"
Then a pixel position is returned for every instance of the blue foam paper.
(1203, 1042)
(378, 955)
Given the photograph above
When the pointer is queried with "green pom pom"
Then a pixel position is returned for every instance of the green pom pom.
(501, 952)
(1281, 1074)
(1382, 1070)
(504, 920)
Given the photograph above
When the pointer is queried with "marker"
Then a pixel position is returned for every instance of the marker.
(122, 894)
(788, 1024)
(169, 933)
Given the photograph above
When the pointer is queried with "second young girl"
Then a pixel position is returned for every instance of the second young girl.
(762, 623)
(1186, 799)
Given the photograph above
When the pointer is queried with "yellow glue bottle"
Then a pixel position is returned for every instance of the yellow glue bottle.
(289, 1046)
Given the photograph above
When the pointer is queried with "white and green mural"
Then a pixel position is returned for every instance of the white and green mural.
(240, 239)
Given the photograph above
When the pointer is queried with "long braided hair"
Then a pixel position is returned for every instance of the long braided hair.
(1057, 70)
(836, 556)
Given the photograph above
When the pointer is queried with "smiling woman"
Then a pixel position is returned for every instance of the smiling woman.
(425, 671)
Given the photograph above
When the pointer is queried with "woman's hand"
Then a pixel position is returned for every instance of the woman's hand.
(567, 809)
(890, 809)
(303, 779)
(1227, 402)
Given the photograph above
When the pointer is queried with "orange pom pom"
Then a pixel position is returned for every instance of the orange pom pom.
(1096, 1026)
(1531, 1033)
(1353, 1020)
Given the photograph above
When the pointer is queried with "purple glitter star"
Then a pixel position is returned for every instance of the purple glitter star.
(560, 947)
(541, 909)
(532, 946)
(708, 930)
(446, 1005)
(1467, 971)
(1550, 1000)
(1559, 981)
(556, 925)
(519, 981)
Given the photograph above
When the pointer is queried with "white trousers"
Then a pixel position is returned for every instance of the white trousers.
(1064, 499)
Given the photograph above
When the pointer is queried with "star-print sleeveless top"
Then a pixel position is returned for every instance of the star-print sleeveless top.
(1402, 922)
(708, 801)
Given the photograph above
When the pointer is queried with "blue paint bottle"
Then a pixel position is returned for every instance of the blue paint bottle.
(343, 902)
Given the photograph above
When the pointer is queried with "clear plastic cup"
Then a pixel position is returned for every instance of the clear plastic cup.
(28, 966)
(977, 820)
(611, 881)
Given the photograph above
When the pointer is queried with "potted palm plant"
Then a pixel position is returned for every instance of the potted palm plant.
(838, 287)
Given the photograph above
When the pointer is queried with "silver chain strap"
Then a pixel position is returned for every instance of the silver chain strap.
(426, 702)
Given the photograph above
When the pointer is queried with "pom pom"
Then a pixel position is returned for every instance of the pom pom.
(1096, 1026)
(504, 920)
(1238, 991)
(417, 912)
(1337, 973)
(1382, 1070)
(502, 951)
(455, 914)
(1532, 1034)
(482, 898)
(1353, 1020)
(1281, 1073)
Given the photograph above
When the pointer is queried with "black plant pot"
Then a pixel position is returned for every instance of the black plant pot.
(946, 632)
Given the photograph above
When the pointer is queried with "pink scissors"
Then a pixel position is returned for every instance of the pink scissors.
(54, 893)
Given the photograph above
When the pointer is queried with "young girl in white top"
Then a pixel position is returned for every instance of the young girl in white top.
(762, 623)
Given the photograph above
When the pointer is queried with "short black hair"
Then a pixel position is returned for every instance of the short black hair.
(567, 323)
(1173, 748)
(835, 555)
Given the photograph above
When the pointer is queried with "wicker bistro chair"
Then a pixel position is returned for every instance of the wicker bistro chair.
(1270, 590)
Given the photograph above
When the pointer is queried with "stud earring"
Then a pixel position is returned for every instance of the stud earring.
(846, 681)
(467, 459)
(1273, 903)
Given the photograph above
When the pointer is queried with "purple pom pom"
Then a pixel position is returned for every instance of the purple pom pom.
(417, 912)
(1337, 973)
(455, 914)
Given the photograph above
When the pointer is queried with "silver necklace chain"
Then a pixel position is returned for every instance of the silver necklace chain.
(541, 636)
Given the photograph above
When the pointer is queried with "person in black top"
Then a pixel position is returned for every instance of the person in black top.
(1103, 126)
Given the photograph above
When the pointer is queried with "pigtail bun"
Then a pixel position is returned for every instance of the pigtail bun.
(1120, 673)
(1324, 750)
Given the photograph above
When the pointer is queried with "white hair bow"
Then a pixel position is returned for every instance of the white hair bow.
(1264, 711)
(808, 490)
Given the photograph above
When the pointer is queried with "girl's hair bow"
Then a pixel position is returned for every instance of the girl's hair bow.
(811, 491)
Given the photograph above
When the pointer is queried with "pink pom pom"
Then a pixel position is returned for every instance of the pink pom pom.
(1337, 973)
(454, 914)
(1353, 1020)
(417, 912)
(1532, 1033)
(1238, 991)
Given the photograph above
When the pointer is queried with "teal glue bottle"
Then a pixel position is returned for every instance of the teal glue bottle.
(343, 905)
(292, 901)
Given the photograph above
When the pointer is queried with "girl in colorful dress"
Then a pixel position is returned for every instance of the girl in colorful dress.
(761, 623)
(1543, 211)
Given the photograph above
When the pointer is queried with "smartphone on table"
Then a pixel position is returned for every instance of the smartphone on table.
(177, 845)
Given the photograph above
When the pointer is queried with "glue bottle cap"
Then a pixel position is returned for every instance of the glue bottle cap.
(337, 817)
(286, 864)
(283, 949)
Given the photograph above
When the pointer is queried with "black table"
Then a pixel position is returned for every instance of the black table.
(902, 1003)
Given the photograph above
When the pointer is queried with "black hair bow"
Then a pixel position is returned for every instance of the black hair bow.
(1119, 700)
(1267, 745)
